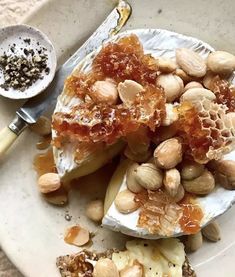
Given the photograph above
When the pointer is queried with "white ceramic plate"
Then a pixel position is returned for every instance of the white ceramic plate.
(31, 231)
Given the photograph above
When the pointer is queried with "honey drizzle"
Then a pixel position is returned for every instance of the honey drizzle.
(44, 163)
(44, 143)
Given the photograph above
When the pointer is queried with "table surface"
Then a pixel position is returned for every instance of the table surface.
(11, 11)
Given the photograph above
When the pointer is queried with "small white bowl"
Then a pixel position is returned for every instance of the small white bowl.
(17, 34)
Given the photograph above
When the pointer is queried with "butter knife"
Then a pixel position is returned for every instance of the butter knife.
(35, 107)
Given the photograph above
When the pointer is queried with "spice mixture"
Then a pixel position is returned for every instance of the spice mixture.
(20, 72)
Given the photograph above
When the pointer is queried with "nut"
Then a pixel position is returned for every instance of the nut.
(172, 181)
(135, 270)
(171, 115)
(193, 84)
(191, 62)
(212, 231)
(95, 210)
(197, 94)
(125, 202)
(149, 177)
(180, 194)
(105, 92)
(184, 76)
(128, 90)
(193, 242)
(172, 84)
(168, 153)
(58, 197)
(208, 80)
(49, 182)
(221, 62)
(201, 185)
(42, 127)
(191, 170)
(105, 268)
(137, 157)
(76, 235)
(166, 65)
(225, 173)
(132, 184)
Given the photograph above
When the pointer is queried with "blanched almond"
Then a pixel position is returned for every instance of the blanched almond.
(225, 173)
(183, 75)
(197, 94)
(172, 84)
(125, 202)
(191, 62)
(172, 181)
(202, 185)
(128, 90)
(49, 182)
(193, 242)
(168, 153)
(131, 181)
(105, 92)
(180, 194)
(76, 235)
(212, 231)
(191, 170)
(149, 176)
(193, 84)
(166, 65)
(207, 80)
(221, 62)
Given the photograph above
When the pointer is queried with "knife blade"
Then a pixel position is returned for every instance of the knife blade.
(35, 107)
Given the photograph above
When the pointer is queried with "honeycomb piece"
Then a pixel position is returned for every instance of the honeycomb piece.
(225, 93)
(125, 60)
(158, 213)
(206, 131)
(88, 122)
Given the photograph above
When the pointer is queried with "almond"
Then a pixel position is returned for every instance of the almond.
(191, 62)
(166, 65)
(131, 181)
(193, 84)
(148, 176)
(128, 90)
(197, 94)
(193, 242)
(168, 153)
(125, 202)
(172, 181)
(172, 84)
(221, 62)
(202, 185)
(49, 182)
(212, 231)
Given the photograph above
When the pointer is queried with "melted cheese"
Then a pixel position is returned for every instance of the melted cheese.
(164, 257)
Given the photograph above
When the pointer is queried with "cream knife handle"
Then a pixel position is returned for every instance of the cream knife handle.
(7, 137)
(9, 134)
